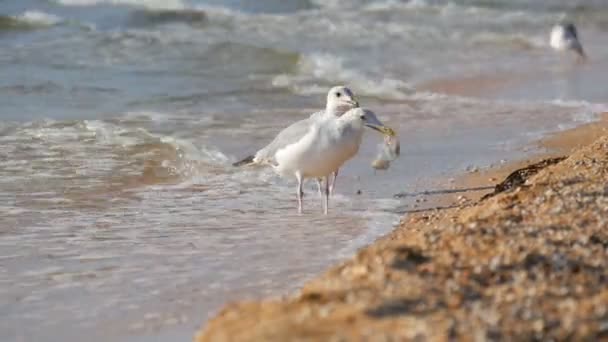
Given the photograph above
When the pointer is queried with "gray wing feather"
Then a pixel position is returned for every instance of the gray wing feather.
(288, 136)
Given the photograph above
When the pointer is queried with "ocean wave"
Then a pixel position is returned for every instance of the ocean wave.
(480, 13)
(181, 157)
(506, 5)
(253, 59)
(332, 70)
(29, 20)
(39, 18)
(165, 16)
(392, 5)
(119, 151)
(152, 4)
(589, 107)
(26, 89)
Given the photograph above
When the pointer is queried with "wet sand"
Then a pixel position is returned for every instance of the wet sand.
(529, 263)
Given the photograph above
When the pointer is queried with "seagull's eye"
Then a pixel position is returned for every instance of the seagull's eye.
(362, 116)
(338, 94)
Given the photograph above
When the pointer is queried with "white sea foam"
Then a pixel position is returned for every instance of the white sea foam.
(156, 117)
(519, 39)
(332, 69)
(598, 107)
(38, 18)
(586, 111)
(111, 134)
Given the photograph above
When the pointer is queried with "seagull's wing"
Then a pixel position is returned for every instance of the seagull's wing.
(288, 136)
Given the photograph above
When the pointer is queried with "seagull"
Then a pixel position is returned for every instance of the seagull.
(324, 148)
(564, 37)
(340, 99)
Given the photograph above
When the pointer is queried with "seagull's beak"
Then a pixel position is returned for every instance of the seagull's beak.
(346, 104)
(375, 124)
(351, 103)
(382, 129)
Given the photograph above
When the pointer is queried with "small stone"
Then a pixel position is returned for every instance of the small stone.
(358, 270)
(136, 326)
(171, 321)
(152, 315)
(494, 263)
(324, 311)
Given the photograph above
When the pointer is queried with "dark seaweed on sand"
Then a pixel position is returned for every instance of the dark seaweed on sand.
(518, 177)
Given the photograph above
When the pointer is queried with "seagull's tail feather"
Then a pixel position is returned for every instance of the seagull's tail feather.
(245, 161)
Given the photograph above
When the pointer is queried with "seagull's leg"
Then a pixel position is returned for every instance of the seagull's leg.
(326, 203)
(333, 183)
(320, 185)
(300, 192)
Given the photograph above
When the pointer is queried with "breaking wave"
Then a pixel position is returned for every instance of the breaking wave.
(333, 70)
(28, 20)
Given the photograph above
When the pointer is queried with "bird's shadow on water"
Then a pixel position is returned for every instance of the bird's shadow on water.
(403, 210)
(421, 210)
(442, 191)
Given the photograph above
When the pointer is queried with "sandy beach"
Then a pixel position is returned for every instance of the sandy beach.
(526, 263)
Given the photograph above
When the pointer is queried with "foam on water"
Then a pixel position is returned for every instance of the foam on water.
(35, 17)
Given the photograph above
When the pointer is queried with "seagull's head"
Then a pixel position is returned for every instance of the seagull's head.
(569, 30)
(367, 118)
(565, 30)
(340, 99)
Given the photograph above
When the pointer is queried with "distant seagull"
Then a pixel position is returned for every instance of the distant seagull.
(564, 37)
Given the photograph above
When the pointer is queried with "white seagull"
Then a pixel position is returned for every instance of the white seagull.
(326, 146)
(340, 99)
(564, 37)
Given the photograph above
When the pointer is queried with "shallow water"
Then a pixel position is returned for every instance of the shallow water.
(120, 215)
